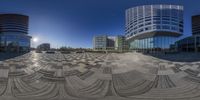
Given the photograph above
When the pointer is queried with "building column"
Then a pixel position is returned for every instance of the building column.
(195, 43)
(187, 47)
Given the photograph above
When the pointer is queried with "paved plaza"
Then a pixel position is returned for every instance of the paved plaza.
(98, 76)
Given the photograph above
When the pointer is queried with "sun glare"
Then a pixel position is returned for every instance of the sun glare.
(35, 39)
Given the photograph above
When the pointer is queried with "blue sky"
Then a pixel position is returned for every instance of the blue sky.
(74, 22)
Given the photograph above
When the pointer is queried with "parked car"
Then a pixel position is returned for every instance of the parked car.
(80, 51)
(50, 51)
(65, 52)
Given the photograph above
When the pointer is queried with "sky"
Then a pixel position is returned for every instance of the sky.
(74, 22)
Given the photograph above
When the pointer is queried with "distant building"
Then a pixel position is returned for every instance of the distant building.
(100, 42)
(191, 43)
(153, 27)
(14, 33)
(196, 25)
(114, 43)
(110, 43)
(120, 43)
(44, 47)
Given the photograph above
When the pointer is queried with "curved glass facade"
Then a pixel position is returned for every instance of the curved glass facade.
(13, 33)
(153, 23)
(157, 43)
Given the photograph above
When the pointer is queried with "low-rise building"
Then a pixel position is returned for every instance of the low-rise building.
(120, 43)
(44, 47)
(100, 42)
(110, 43)
(113, 43)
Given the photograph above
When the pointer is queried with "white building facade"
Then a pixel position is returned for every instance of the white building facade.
(153, 27)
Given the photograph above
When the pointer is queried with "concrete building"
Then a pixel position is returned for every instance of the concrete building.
(44, 47)
(191, 43)
(14, 33)
(153, 27)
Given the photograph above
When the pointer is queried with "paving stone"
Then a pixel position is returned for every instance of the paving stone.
(98, 76)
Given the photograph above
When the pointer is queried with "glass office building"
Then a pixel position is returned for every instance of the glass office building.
(154, 43)
(153, 27)
(121, 43)
(196, 25)
(112, 43)
(191, 43)
(14, 33)
(100, 42)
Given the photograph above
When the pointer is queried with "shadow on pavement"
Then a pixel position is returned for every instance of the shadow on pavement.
(5, 56)
(178, 57)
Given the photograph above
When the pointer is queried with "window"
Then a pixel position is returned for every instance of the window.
(141, 30)
(181, 30)
(156, 18)
(165, 27)
(174, 19)
(181, 22)
(173, 23)
(156, 27)
(174, 12)
(148, 23)
(167, 19)
(139, 22)
(180, 25)
(141, 25)
(147, 28)
(135, 28)
(2, 39)
(156, 22)
(166, 12)
(165, 22)
(140, 19)
(135, 21)
(174, 28)
(147, 19)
